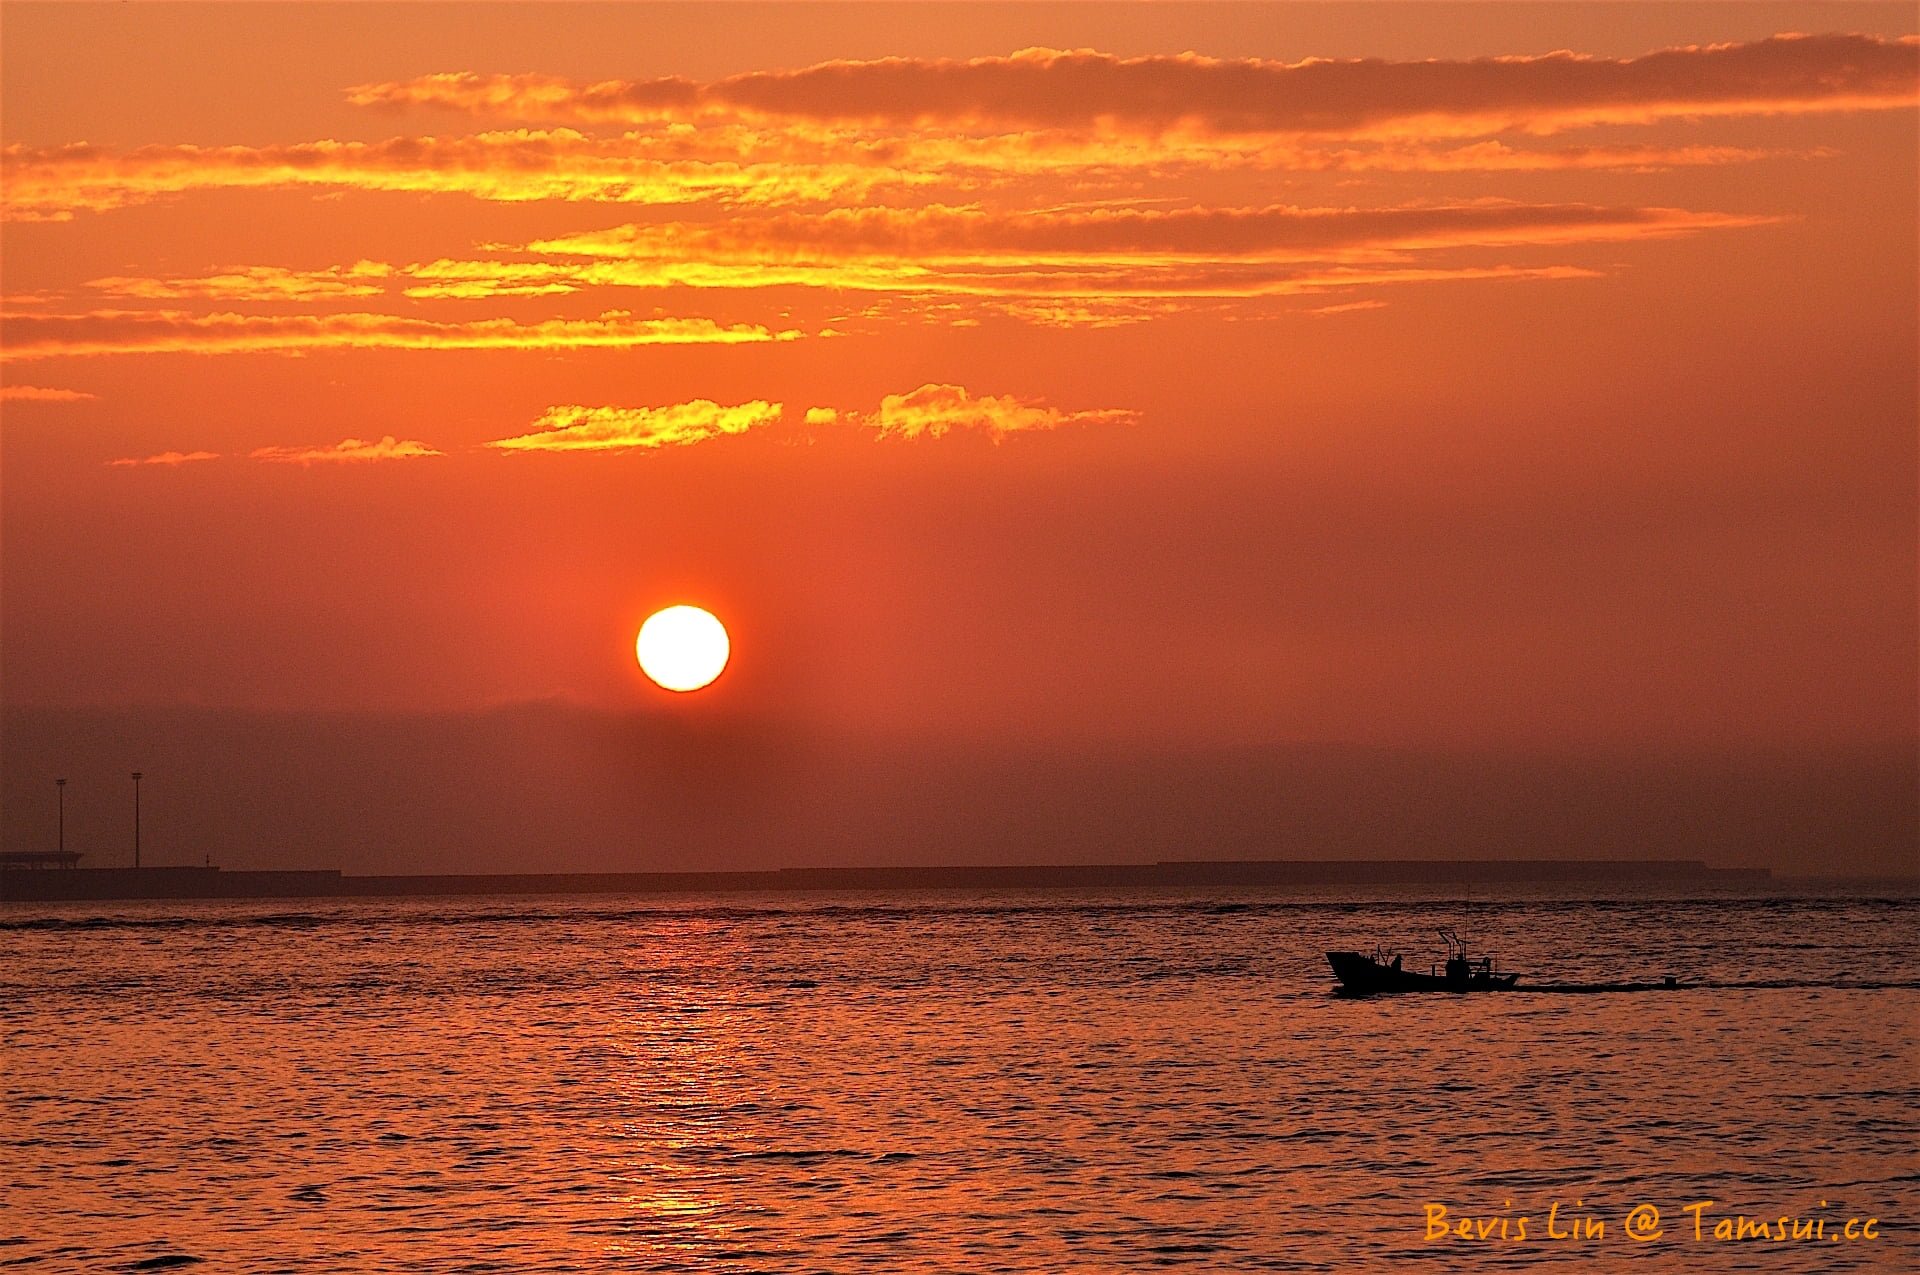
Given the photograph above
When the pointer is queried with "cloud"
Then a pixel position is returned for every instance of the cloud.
(102, 332)
(169, 459)
(1095, 264)
(1060, 255)
(346, 451)
(844, 131)
(928, 412)
(1348, 307)
(41, 394)
(467, 280)
(565, 429)
(1087, 310)
(532, 96)
(1093, 253)
(935, 410)
(1054, 89)
(51, 183)
(1275, 232)
(257, 283)
(1500, 157)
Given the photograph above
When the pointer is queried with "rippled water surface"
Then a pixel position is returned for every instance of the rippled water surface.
(945, 1081)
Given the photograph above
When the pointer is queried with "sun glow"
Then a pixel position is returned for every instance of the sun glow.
(682, 648)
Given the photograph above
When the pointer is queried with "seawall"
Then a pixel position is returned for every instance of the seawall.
(75, 884)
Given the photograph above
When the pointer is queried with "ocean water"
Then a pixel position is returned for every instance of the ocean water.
(950, 1082)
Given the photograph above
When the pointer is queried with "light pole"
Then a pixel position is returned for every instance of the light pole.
(136, 818)
(60, 786)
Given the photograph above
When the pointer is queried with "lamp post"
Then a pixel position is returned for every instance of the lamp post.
(60, 787)
(136, 818)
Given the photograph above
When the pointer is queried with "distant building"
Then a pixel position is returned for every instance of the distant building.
(11, 860)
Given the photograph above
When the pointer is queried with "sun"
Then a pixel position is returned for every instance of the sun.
(682, 648)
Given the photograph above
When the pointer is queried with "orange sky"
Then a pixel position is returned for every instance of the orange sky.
(1519, 377)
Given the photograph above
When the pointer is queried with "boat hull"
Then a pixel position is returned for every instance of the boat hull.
(1363, 976)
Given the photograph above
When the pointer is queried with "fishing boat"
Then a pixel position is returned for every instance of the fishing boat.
(1363, 975)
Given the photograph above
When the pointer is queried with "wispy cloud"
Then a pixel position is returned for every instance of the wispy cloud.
(103, 332)
(1348, 307)
(52, 183)
(168, 459)
(1083, 88)
(841, 131)
(731, 165)
(935, 410)
(1275, 232)
(570, 429)
(1118, 252)
(1040, 263)
(351, 451)
(931, 411)
(255, 283)
(1502, 157)
(41, 394)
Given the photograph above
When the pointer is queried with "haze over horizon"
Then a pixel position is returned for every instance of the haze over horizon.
(1107, 432)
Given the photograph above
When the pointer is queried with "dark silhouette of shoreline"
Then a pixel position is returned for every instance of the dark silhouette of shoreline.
(73, 884)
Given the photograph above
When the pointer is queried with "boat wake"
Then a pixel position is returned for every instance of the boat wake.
(1744, 985)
